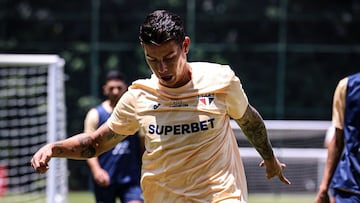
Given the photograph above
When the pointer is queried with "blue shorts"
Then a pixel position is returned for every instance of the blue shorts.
(126, 193)
(345, 197)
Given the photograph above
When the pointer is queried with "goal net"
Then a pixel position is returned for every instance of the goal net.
(298, 144)
(32, 113)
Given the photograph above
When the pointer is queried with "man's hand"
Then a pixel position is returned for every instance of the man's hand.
(41, 158)
(275, 168)
(102, 178)
(322, 197)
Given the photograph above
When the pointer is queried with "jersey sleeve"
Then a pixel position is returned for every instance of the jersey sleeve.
(123, 119)
(339, 102)
(236, 99)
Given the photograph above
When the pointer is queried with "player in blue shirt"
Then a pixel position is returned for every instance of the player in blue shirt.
(342, 170)
(116, 173)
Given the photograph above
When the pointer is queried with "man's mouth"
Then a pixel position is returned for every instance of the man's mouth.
(166, 78)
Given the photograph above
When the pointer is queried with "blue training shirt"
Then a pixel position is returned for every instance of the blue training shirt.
(123, 162)
(347, 174)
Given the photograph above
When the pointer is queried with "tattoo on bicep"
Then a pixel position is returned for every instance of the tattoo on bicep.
(87, 149)
(112, 136)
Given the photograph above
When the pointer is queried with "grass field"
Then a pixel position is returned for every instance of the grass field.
(79, 197)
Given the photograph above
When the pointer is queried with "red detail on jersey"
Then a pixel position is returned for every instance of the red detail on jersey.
(203, 100)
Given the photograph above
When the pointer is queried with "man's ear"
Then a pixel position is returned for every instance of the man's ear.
(186, 44)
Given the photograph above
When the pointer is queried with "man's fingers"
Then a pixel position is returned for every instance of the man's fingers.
(42, 169)
(284, 179)
(270, 174)
(39, 168)
(39, 163)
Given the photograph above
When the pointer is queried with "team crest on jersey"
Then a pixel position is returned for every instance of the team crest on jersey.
(206, 99)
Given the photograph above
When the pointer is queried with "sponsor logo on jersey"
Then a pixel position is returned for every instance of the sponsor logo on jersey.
(178, 103)
(181, 129)
(206, 99)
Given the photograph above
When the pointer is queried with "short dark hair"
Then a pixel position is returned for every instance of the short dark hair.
(161, 26)
(114, 75)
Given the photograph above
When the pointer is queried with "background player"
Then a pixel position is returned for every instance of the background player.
(342, 169)
(116, 173)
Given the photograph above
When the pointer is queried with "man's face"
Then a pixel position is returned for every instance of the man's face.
(114, 89)
(168, 62)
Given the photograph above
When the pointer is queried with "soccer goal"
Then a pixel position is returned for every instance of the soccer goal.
(298, 144)
(32, 113)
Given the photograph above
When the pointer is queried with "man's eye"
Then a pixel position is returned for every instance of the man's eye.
(112, 88)
(169, 59)
(151, 60)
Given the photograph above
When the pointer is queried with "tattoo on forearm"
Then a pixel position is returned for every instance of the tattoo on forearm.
(58, 151)
(254, 128)
(87, 149)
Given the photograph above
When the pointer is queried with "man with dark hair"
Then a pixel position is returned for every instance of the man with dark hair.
(183, 111)
(116, 173)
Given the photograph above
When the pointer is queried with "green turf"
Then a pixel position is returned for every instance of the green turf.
(82, 197)
(281, 198)
(79, 197)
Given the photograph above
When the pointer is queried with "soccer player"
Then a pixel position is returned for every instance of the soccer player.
(342, 169)
(183, 110)
(116, 173)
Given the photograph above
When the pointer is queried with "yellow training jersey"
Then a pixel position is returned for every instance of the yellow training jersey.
(191, 151)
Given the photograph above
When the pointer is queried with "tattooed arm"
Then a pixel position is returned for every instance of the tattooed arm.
(80, 146)
(254, 129)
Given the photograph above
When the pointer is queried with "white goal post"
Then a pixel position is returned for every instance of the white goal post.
(32, 113)
(298, 144)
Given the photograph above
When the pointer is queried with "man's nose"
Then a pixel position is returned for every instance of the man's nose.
(115, 91)
(162, 67)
